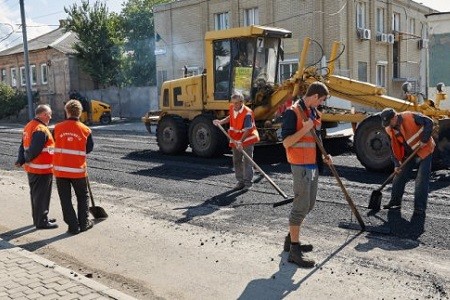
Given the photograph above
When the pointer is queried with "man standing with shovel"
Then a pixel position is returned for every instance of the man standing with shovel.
(407, 131)
(301, 154)
(244, 136)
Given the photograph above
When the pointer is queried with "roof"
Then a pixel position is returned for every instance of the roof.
(57, 39)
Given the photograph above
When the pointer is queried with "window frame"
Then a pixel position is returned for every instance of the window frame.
(23, 80)
(396, 22)
(13, 72)
(251, 16)
(381, 72)
(360, 15)
(222, 20)
(293, 65)
(44, 73)
(380, 20)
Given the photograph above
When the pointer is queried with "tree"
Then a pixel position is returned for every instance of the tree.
(139, 64)
(100, 39)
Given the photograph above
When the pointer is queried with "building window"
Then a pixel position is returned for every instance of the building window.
(287, 69)
(23, 80)
(412, 26)
(396, 22)
(3, 79)
(360, 15)
(380, 20)
(221, 21)
(33, 74)
(13, 77)
(251, 17)
(362, 71)
(44, 74)
(381, 74)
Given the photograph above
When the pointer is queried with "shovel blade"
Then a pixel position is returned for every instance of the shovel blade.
(98, 212)
(375, 200)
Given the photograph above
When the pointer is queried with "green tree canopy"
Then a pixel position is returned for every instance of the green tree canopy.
(139, 64)
(100, 39)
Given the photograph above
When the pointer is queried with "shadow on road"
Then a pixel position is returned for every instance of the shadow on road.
(409, 233)
(209, 206)
(280, 284)
(18, 232)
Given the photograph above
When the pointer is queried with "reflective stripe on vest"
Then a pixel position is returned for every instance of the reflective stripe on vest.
(69, 170)
(69, 151)
(39, 166)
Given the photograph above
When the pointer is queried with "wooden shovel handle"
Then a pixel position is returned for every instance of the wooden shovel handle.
(254, 164)
(335, 173)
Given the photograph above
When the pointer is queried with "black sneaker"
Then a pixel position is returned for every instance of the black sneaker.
(303, 247)
(296, 256)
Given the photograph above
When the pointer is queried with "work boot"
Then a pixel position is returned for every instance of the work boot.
(296, 256)
(303, 247)
(89, 225)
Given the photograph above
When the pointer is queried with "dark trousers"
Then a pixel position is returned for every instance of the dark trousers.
(40, 192)
(79, 185)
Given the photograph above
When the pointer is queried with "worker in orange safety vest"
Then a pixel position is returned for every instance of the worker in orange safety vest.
(73, 141)
(36, 155)
(300, 147)
(244, 136)
(407, 131)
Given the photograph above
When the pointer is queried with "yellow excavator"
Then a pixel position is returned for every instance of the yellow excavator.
(247, 59)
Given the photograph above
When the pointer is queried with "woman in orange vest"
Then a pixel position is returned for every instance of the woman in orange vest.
(408, 130)
(73, 141)
(245, 135)
(300, 148)
(36, 155)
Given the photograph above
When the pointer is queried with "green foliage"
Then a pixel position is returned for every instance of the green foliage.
(100, 40)
(11, 100)
(138, 62)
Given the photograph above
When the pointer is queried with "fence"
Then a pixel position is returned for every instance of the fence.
(131, 102)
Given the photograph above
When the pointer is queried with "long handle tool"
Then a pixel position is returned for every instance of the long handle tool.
(257, 167)
(336, 175)
(375, 198)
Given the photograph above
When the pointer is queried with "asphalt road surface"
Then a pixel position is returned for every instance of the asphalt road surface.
(199, 192)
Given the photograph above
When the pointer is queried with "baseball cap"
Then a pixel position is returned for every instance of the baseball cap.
(386, 115)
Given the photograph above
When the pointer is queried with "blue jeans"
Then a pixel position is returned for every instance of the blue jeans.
(422, 182)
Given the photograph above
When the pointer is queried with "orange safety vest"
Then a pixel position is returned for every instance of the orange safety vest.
(42, 164)
(70, 149)
(412, 134)
(236, 130)
(303, 152)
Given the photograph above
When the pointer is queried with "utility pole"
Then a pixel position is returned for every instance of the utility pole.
(27, 62)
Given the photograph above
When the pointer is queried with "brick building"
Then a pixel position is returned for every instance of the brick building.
(53, 66)
(381, 37)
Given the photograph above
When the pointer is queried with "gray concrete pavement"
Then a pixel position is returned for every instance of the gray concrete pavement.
(25, 275)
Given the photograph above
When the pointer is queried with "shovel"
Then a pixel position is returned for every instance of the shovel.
(375, 198)
(97, 211)
(258, 168)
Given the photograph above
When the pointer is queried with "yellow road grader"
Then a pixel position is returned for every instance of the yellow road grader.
(247, 59)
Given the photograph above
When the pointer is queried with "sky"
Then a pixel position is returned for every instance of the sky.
(42, 16)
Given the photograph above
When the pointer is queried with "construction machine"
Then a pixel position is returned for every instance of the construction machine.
(94, 111)
(247, 59)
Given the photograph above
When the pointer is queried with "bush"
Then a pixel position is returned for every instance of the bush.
(11, 100)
